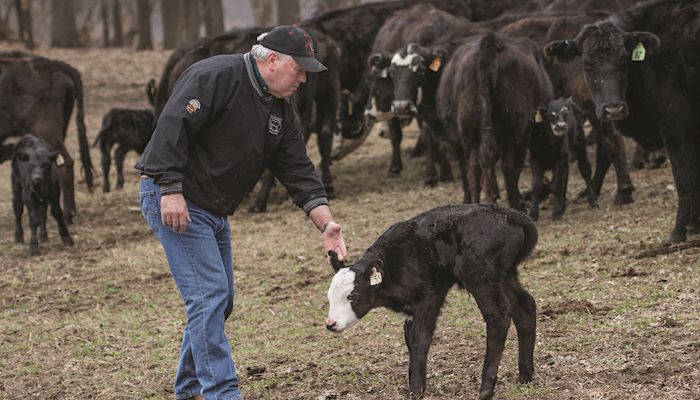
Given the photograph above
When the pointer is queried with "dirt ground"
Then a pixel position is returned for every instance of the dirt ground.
(103, 320)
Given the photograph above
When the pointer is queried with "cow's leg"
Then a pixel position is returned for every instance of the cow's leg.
(524, 314)
(43, 235)
(431, 156)
(65, 172)
(268, 181)
(474, 175)
(57, 214)
(462, 164)
(119, 156)
(614, 146)
(324, 139)
(537, 189)
(495, 309)
(420, 146)
(420, 337)
(683, 155)
(407, 326)
(511, 175)
(561, 180)
(584, 168)
(105, 150)
(18, 208)
(396, 136)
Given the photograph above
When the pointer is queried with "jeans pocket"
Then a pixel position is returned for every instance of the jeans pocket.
(150, 209)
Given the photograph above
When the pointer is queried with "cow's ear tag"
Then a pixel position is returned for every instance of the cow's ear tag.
(538, 117)
(350, 108)
(435, 65)
(639, 53)
(59, 160)
(376, 277)
(384, 73)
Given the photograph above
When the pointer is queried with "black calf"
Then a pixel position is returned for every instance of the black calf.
(130, 130)
(35, 184)
(558, 133)
(413, 265)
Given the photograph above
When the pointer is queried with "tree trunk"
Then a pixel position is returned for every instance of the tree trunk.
(327, 5)
(143, 40)
(287, 12)
(118, 40)
(189, 22)
(104, 16)
(213, 16)
(170, 10)
(264, 12)
(63, 30)
(24, 22)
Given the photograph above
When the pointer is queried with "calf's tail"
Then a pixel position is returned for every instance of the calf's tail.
(521, 219)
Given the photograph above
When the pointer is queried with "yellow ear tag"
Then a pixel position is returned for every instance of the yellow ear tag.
(435, 65)
(538, 117)
(375, 278)
(639, 53)
(59, 160)
(350, 108)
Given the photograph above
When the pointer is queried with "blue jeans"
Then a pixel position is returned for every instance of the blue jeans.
(201, 263)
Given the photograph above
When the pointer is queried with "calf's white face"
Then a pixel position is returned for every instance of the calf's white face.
(340, 313)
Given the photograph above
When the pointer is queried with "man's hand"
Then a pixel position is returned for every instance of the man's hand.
(333, 240)
(173, 212)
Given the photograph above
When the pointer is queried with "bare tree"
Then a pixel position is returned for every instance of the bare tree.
(104, 16)
(24, 22)
(118, 39)
(264, 12)
(63, 29)
(144, 40)
(213, 17)
(189, 22)
(170, 10)
(287, 12)
(327, 5)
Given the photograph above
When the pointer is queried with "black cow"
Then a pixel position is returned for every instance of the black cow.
(413, 265)
(641, 68)
(321, 90)
(558, 135)
(35, 184)
(486, 100)
(130, 130)
(38, 97)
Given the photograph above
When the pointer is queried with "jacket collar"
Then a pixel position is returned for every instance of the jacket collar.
(255, 78)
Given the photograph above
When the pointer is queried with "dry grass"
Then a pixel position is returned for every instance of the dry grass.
(102, 320)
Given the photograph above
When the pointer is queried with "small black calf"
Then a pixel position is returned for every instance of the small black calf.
(413, 265)
(130, 130)
(35, 184)
(558, 133)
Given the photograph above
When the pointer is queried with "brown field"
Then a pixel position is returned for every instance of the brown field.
(103, 320)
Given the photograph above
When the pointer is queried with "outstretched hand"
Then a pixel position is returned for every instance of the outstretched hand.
(333, 241)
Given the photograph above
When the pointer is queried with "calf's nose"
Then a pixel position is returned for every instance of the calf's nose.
(330, 325)
(401, 106)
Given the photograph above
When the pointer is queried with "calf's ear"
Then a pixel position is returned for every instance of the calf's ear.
(22, 156)
(562, 50)
(337, 264)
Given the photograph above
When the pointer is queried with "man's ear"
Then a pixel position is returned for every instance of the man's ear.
(375, 272)
(562, 50)
(337, 264)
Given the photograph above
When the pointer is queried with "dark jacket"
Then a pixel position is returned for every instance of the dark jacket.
(217, 133)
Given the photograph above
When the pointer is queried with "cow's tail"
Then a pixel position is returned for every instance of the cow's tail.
(151, 90)
(521, 219)
(489, 47)
(82, 131)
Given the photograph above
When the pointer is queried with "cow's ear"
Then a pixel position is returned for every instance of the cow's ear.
(649, 43)
(54, 156)
(375, 272)
(374, 59)
(337, 264)
(562, 50)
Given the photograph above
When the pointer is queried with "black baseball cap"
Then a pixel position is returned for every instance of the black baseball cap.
(293, 41)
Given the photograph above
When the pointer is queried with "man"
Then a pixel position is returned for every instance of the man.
(227, 119)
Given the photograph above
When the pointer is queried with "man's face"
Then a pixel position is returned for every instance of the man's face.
(286, 76)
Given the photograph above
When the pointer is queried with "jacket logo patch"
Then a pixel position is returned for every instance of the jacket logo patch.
(275, 124)
(192, 106)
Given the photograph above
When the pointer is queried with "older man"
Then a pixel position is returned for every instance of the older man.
(227, 119)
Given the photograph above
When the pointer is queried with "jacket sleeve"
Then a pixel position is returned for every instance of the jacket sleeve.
(291, 166)
(195, 98)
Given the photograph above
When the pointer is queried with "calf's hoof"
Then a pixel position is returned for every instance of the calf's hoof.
(431, 182)
(68, 218)
(693, 228)
(623, 198)
(395, 171)
(43, 239)
(674, 238)
(447, 177)
(105, 189)
(486, 394)
(33, 250)
(67, 240)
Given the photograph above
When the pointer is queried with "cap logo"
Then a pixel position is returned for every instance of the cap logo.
(192, 106)
(309, 48)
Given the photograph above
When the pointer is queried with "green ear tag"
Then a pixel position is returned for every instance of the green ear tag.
(639, 52)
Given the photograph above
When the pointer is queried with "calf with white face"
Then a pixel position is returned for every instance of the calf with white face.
(413, 265)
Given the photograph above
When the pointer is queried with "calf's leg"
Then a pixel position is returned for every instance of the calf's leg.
(419, 339)
(119, 155)
(105, 148)
(524, 314)
(57, 214)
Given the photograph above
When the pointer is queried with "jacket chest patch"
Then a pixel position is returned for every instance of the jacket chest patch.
(274, 124)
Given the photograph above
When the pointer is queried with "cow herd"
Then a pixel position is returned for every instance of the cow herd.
(488, 82)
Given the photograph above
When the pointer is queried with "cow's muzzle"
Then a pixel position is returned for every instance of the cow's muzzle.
(615, 111)
(403, 107)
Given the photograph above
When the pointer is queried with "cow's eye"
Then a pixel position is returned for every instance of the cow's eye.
(352, 297)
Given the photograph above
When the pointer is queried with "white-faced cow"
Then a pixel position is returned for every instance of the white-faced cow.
(558, 135)
(487, 99)
(413, 265)
(38, 97)
(35, 185)
(641, 69)
(129, 130)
